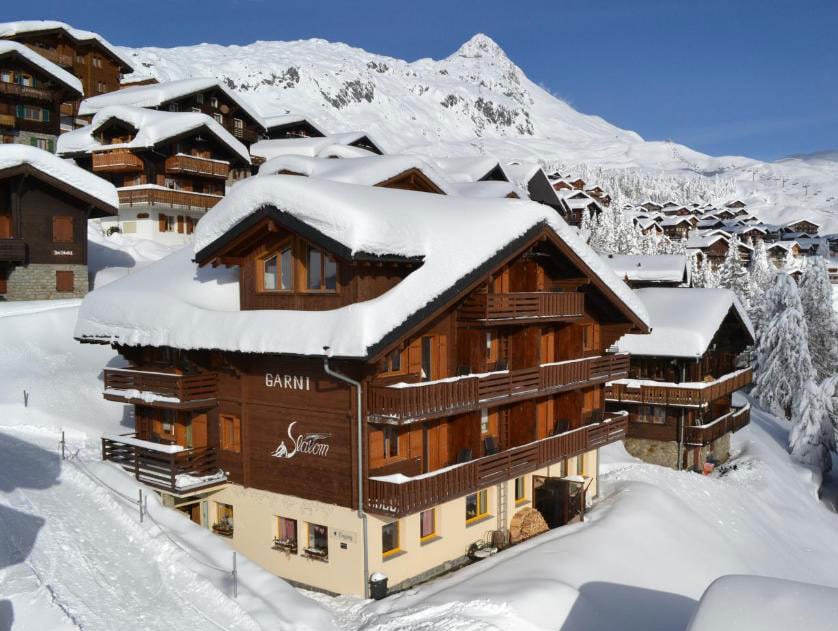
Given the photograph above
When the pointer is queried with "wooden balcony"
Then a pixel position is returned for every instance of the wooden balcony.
(54, 56)
(242, 133)
(7, 120)
(12, 250)
(405, 403)
(157, 389)
(397, 500)
(689, 395)
(522, 307)
(117, 161)
(166, 467)
(25, 91)
(733, 421)
(157, 196)
(195, 165)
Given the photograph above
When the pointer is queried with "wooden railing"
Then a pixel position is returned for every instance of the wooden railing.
(242, 133)
(185, 388)
(7, 120)
(679, 394)
(25, 91)
(522, 306)
(733, 421)
(398, 500)
(117, 160)
(161, 469)
(54, 56)
(194, 164)
(167, 197)
(441, 398)
(12, 250)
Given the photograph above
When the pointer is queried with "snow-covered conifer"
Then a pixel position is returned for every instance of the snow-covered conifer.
(812, 438)
(734, 275)
(821, 320)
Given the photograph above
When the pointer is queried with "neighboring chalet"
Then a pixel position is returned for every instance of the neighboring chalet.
(645, 270)
(207, 96)
(533, 184)
(345, 381)
(45, 203)
(97, 64)
(682, 376)
(286, 125)
(477, 176)
(678, 226)
(713, 248)
(169, 167)
(779, 251)
(575, 203)
(804, 226)
(32, 89)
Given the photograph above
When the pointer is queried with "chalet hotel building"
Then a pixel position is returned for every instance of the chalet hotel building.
(346, 380)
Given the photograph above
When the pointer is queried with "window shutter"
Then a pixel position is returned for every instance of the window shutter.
(51, 146)
(45, 115)
(62, 229)
(180, 224)
(33, 142)
(237, 434)
(64, 281)
(19, 110)
(161, 222)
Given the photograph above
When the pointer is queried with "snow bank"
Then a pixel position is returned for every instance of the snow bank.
(12, 155)
(173, 303)
(662, 268)
(54, 70)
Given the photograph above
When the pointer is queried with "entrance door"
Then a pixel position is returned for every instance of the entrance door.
(5, 226)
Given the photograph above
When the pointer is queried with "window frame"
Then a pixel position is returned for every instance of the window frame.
(397, 547)
(324, 257)
(279, 535)
(229, 440)
(390, 437)
(433, 533)
(482, 508)
(311, 536)
(63, 286)
(522, 498)
(70, 224)
(276, 252)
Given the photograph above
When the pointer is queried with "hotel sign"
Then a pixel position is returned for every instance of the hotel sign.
(287, 382)
(313, 444)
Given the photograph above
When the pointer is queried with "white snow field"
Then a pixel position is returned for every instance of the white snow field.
(73, 554)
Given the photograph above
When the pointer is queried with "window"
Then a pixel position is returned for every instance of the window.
(230, 433)
(62, 229)
(484, 421)
(97, 62)
(278, 270)
(321, 272)
(520, 489)
(25, 79)
(219, 118)
(318, 541)
(43, 143)
(477, 505)
(214, 102)
(223, 520)
(6, 76)
(587, 337)
(286, 534)
(238, 123)
(101, 87)
(79, 59)
(492, 347)
(427, 524)
(173, 107)
(199, 98)
(392, 363)
(391, 441)
(390, 538)
(64, 281)
(32, 113)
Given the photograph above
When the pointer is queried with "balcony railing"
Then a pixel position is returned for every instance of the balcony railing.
(152, 195)
(161, 389)
(683, 394)
(181, 163)
(413, 495)
(25, 91)
(409, 402)
(12, 250)
(242, 133)
(733, 421)
(522, 307)
(117, 160)
(7, 120)
(166, 467)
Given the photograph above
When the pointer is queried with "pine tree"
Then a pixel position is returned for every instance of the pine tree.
(816, 299)
(812, 438)
(829, 387)
(783, 363)
(734, 275)
(762, 275)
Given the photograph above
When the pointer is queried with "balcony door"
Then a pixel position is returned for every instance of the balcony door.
(5, 226)
(433, 357)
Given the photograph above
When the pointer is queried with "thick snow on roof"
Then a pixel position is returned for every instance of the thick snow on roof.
(174, 303)
(288, 118)
(12, 155)
(318, 147)
(153, 127)
(485, 188)
(156, 94)
(467, 168)
(54, 70)
(669, 268)
(366, 171)
(10, 29)
(684, 321)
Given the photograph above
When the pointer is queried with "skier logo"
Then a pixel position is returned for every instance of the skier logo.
(304, 443)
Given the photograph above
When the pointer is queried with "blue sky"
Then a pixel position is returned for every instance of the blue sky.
(744, 77)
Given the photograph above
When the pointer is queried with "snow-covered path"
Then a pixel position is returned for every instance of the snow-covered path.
(85, 551)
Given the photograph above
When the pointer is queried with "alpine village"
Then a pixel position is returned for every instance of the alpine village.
(322, 374)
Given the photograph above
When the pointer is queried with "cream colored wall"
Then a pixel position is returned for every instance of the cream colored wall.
(255, 515)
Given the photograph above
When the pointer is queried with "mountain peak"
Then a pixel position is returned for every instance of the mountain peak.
(481, 45)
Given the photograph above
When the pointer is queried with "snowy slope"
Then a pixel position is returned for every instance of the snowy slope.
(477, 101)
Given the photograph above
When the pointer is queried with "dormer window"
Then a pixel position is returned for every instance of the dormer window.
(278, 270)
(321, 271)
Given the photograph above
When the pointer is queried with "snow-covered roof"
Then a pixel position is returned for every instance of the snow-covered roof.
(467, 168)
(675, 220)
(799, 220)
(485, 188)
(783, 245)
(175, 303)
(288, 118)
(153, 127)
(704, 240)
(53, 70)
(663, 268)
(366, 171)
(317, 147)
(13, 155)
(684, 321)
(156, 94)
(11, 29)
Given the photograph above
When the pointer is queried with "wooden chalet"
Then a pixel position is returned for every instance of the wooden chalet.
(45, 203)
(290, 126)
(575, 203)
(168, 167)
(682, 377)
(32, 90)
(779, 251)
(645, 270)
(384, 393)
(804, 226)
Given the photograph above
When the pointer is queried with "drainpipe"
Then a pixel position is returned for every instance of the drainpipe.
(681, 425)
(359, 417)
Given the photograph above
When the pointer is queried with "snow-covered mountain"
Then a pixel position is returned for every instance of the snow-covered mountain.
(478, 101)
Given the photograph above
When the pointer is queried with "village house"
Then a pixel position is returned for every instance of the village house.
(651, 270)
(533, 183)
(288, 125)
(32, 89)
(88, 56)
(682, 377)
(168, 167)
(805, 226)
(345, 382)
(677, 226)
(779, 251)
(45, 203)
(352, 144)
(575, 203)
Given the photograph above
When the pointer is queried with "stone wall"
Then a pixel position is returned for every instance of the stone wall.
(25, 138)
(659, 452)
(37, 282)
